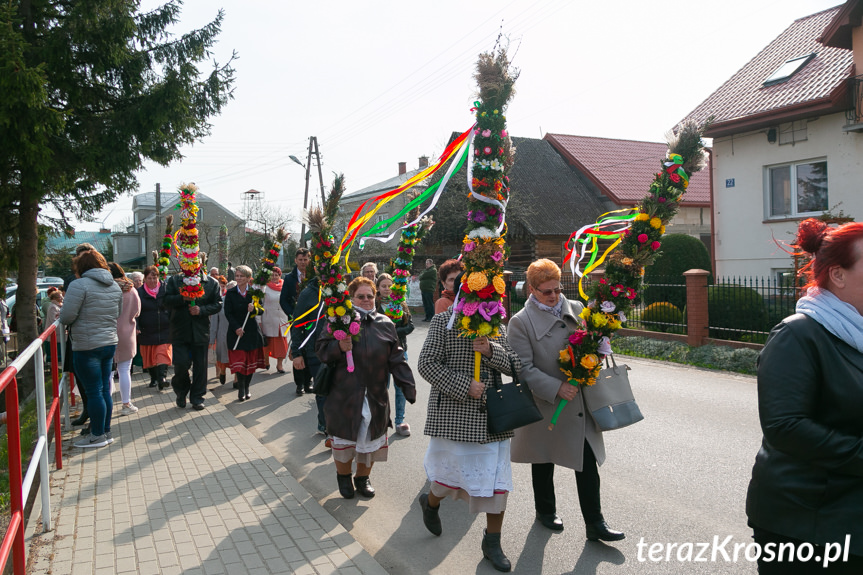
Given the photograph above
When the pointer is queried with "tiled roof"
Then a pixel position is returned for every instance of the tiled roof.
(559, 200)
(623, 169)
(61, 242)
(820, 83)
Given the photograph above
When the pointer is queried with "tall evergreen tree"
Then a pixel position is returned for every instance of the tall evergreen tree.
(90, 90)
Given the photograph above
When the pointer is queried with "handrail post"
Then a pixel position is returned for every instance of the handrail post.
(42, 427)
(16, 501)
(56, 401)
(64, 386)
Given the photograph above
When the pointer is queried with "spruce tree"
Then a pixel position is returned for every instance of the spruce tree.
(90, 91)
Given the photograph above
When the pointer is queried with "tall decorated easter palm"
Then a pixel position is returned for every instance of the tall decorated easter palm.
(479, 311)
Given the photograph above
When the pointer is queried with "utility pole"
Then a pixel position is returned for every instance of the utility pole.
(313, 149)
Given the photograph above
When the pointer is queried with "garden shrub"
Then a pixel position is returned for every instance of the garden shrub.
(679, 253)
(711, 356)
(660, 313)
(736, 307)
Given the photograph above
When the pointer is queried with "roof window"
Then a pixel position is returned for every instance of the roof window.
(788, 69)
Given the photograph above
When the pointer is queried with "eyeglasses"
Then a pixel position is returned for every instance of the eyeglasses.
(364, 297)
(548, 292)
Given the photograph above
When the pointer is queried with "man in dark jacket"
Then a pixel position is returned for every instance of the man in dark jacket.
(428, 281)
(287, 301)
(190, 334)
(305, 360)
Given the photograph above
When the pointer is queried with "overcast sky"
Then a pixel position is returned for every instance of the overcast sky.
(381, 82)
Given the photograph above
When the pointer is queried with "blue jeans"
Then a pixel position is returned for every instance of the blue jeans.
(93, 367)
(400, 399)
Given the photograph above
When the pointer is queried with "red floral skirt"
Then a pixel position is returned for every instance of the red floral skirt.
(246, 362)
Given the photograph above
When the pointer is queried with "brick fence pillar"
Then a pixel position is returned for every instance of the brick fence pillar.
(696, 307)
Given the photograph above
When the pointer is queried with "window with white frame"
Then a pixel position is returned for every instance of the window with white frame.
(796, 189)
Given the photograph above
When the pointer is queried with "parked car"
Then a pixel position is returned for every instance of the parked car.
(50, 281)
(41, 294)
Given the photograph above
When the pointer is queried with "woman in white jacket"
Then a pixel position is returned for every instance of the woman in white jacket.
(274, 322)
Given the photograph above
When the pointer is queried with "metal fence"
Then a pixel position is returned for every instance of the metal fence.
(47, 417)
(739, 308)
(747, 308)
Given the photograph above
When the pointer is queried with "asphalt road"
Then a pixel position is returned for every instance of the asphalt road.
(679, 476)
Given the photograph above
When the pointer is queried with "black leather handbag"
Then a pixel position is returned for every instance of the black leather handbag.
(324, 379)
(510, 405)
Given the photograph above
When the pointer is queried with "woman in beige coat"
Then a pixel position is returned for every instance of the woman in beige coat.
(126, 336)
(537, 334)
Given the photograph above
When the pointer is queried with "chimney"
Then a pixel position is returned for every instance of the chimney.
(104, 231)
(424, 162)
(403, 168)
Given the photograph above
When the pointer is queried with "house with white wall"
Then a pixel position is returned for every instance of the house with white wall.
(787, 141)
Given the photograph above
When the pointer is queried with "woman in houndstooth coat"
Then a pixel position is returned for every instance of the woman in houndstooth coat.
(463, 460)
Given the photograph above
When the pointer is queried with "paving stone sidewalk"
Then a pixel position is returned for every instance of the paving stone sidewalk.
(186, 492)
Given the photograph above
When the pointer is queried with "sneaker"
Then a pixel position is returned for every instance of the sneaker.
(91, 441)
(128, 409)
(200, 406)
(403, 429)
(110, 437)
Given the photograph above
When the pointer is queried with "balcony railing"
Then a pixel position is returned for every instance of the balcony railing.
(854, 112)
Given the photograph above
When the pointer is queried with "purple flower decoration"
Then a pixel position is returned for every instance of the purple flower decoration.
(607, 306)
(468, 247)
(479, 216)
(497, 256)
(484, 310)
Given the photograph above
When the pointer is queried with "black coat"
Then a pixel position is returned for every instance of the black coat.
(290, 292)
(186, 328)
(308, 299)
(404, 326)
(236, 308)
(807, 481)
(154, 322)
(376, 354)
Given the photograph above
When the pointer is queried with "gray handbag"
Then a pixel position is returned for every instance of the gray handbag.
(610, 400)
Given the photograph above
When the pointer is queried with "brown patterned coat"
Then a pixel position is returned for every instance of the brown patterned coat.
(376, 354)
(446, 362)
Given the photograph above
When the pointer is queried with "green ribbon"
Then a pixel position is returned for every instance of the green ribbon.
(416, 202)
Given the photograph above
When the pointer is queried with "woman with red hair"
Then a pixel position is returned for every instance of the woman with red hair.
(806, 491)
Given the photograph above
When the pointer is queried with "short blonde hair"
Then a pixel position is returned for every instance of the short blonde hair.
(542, 271)
(244, 270)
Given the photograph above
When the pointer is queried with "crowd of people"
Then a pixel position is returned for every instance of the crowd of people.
(805, 484)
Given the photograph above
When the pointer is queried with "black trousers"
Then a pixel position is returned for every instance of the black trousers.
(586, 482)
(854, 565)
(303, 378)
(188, 356)
(428, 304)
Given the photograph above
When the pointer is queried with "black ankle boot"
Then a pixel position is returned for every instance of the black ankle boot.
(364, 487)
(346, 489)
(153, 371)
(162, 376)
(599, 531)
(246, 385)
(491, 550)
(431, 516)
(81, 419)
